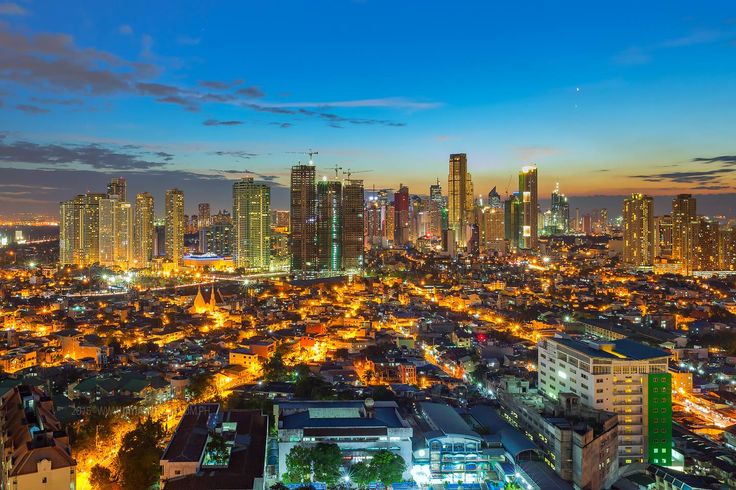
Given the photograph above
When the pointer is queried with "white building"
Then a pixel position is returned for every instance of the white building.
(359, 428)
(620, 376)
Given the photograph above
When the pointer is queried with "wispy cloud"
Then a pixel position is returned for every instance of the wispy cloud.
(31, 109)
(390, 102)
(12, 8)
(723, 159)
(637, 55)
(125, 30)
(215, 122)
(535, 152)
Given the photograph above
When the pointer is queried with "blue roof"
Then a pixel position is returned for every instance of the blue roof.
(382, 416)
(445, 419)
(511, 438)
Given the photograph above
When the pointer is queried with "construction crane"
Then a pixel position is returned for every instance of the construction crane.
(349, 172)
(337, 169)
(311, 154)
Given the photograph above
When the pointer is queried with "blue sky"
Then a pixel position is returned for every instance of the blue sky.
(633, 96)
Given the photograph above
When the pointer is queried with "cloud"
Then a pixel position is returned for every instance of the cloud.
(31, 109)
(390, 102)
(188, 40)
(62, 102)
(236, 154)
(281, 124)
(53, 61)
(218, 85)
(11, 8)
(693, 177)
(125, 30)
(637, 55)
(215, 122)
(724, 159)
(94, 156)
(252, 92)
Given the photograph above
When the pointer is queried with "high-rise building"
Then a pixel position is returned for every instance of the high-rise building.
(436, 205)
(492, 230)
(494, 199)
(79, 238)
(218, 239)
(529, 208)
(143, 230)
(353, 240)
(457, 196)
(512, 220)
(727, 252)
(374, 224)
(684, 219)
(705, 245)
(115, 232)
(329, 225)
(638, 222)
(663, 236)
(203, 216)
(252, 224)
(175, 225)
(118, 188)
(560, 213)
(623, 377)
(401, 216)
(303, 219)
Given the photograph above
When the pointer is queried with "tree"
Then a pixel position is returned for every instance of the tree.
(326, 460)
(100, 478)
(274, 369)
(278, 486)
(387, 467)
(313, 388)
(362, 474)
(342, 353)
(201, 387)
(218, 448)
(139, 455)
(298, 465)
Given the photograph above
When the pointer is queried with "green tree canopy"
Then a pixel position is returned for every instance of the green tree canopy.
(274, 370)
(321, 463)
(100, 477)
(387, 467)
(139, 455)
(298, 465)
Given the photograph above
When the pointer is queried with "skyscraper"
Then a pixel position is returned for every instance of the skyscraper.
(683, 223)
(705, 245)
(143, 230)
(512, 220)
(494, 199)
(457, 196)
(529, 207)
(329, 225)
(560, 213)
(401, 216)
(79, 238)
(203, 216)
(436, 204)
(663, 236)
(638, 230)
(353, 206)
(174, 225)
(303, 218)
(252, 224)
(118, 187)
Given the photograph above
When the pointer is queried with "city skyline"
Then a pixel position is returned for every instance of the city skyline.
(631, 111)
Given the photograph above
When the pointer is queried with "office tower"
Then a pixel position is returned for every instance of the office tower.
(705, 234)
(401, 216)
(175, 225)
(329, 225)
(218, 239)
(492, 230)
(494, 199)
(303, 218)
(474, 240)
(280, 219)
(353, 206)
(512, 220)
(623, 377)
(143, 230)
(560, 213)
(663, 236)
(576, 224)
(159, 239)
(529, 208)
(638, 231)
(587, 225)
(203, 216)
(435, 206)
(117, 188)
(683, 221)
(252, 224)
(389, 231)
(457, 196)
(374, 236)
